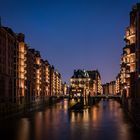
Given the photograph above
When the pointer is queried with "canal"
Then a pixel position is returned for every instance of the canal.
(103, 121)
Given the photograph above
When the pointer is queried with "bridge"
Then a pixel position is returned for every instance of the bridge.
(79, 103)
(95, 96)
(107, 96)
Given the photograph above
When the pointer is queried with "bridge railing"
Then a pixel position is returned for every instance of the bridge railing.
(107, 96)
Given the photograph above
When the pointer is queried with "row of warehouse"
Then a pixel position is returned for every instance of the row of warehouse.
(24, 75)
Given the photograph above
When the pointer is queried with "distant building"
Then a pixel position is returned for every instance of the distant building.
(79, 83)
(55, 82)
(106, 89)
(85, 83)
(118, 85)
(38, 80)
(46, 78)
(112, 88)
(109, 88)
(65, 89)
(95, 82)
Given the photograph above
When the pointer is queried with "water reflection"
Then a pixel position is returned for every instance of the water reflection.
(38, 126)
(105, 120)
(23, 129)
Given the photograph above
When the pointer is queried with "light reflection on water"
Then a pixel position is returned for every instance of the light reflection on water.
(23, 129)
(105, 120)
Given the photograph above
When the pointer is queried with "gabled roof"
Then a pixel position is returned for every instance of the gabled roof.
(80, 74)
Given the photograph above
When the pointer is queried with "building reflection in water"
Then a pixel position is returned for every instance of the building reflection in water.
(23, 129)
(65, 106)
(38, 126)
(105, 120)
(91, 114)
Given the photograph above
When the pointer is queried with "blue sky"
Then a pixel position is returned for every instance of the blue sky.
(72, 34)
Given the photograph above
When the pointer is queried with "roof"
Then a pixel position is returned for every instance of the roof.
(80, 74)
(93, 74)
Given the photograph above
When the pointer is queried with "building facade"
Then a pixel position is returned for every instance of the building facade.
(95, 84)
(24, 76)
(118, 85)
(128, 60)
(65, 89)
(85, 83)
(46, 78)
(55, 82)
(31, 70)
(129, 75)
(8, 46)
(21, 69)
(106, 89)
(79, 83)
(135, 20)
(109, 88)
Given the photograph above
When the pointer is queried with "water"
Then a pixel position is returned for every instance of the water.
(103, 121)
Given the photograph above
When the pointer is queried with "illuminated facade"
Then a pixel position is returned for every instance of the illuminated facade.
(38, 81)
(118, 85)
(24, 76)
(106, 89)
(79, 83)
(46, 78)
(43, 80)
(112, 88)
(38, 76)
(85, 83)
(56, 82)
(128, 59)
(35, 75)
(65, 89)
(109, 88)
(95, 84)
(21, 69)
(130, 67)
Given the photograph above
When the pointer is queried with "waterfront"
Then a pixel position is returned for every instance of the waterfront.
(105, 120)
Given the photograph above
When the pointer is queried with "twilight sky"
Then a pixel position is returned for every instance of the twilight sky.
(72, 34)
